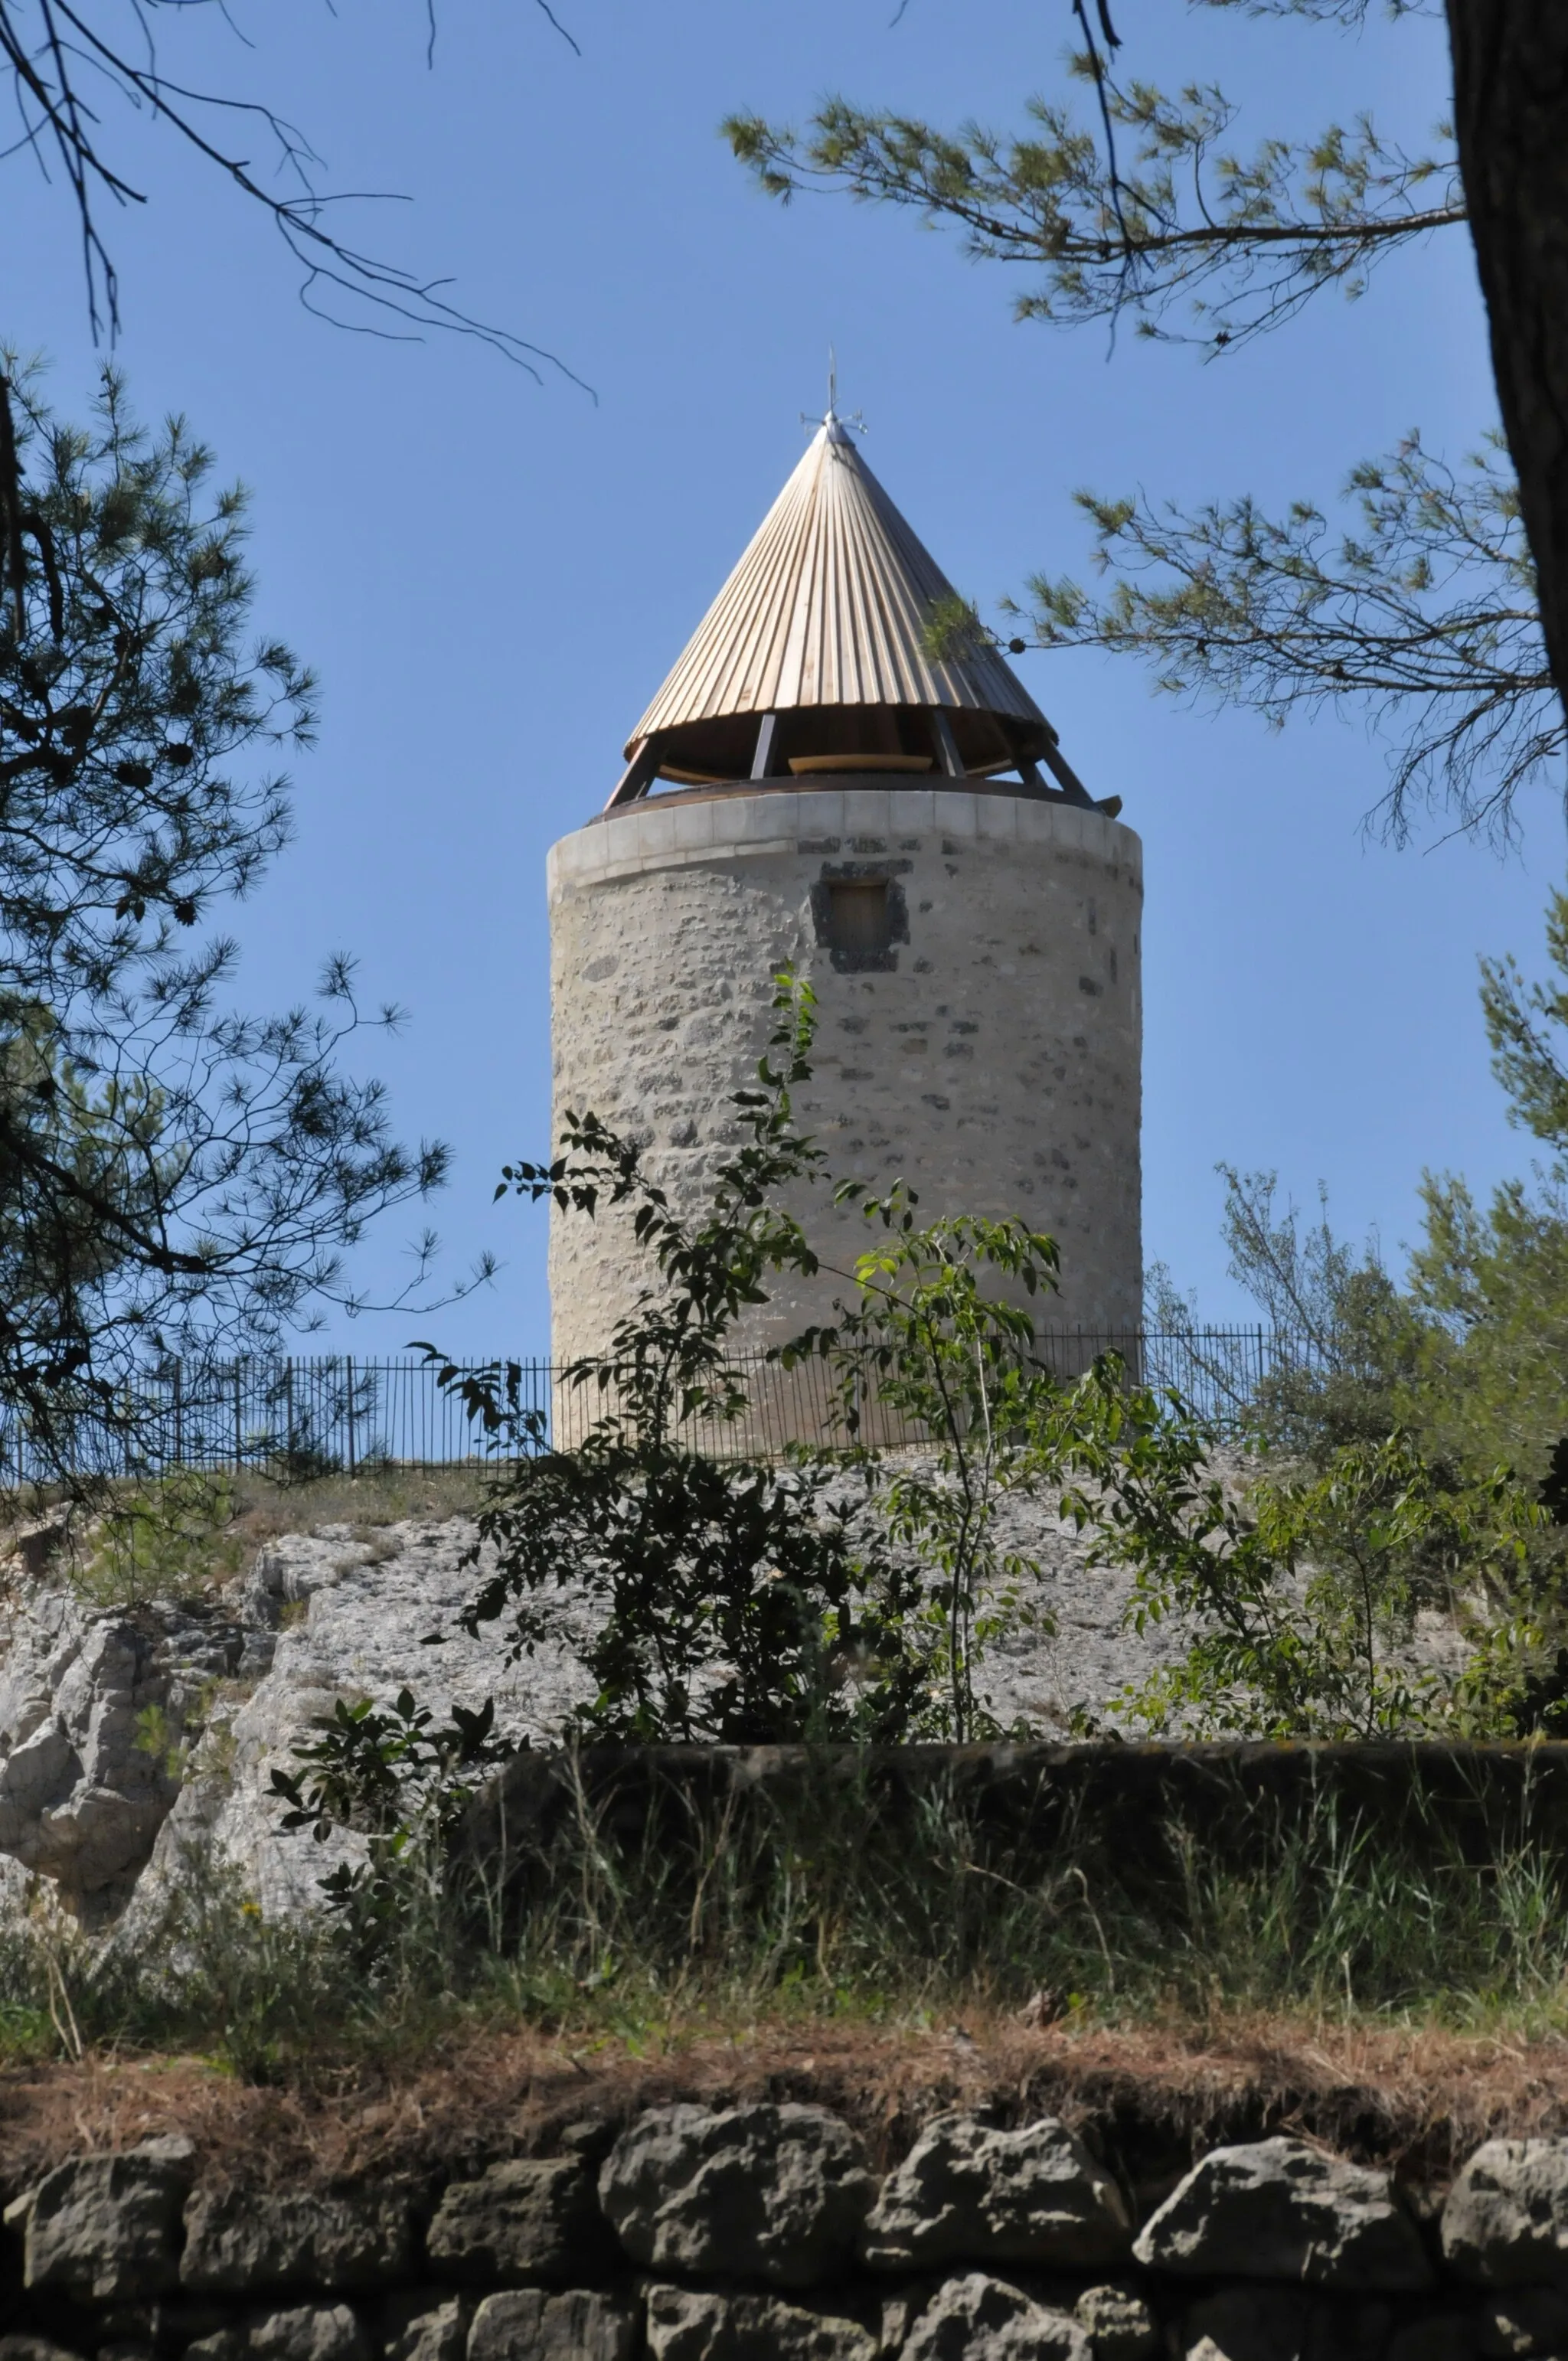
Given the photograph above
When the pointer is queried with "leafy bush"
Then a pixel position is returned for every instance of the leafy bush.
(1301, 1591)
(744, 1601)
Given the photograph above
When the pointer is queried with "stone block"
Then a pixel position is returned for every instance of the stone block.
(1118, 2323)
(102, 2228)
(243, 2241)
(1523, 2325)
(33, 2348)
(527, 2324)
(689, 2324)
(419, 2324)
(1247, 2323)
(980, 2319)
(1445, 2336)
(1278, 2209)
(765, 2192)
(1505, 2222)
(533, 2219)
(307, 2331)
(969, 2194)
(1271, 2323)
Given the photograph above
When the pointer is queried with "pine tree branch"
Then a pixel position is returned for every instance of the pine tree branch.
(1423, 618)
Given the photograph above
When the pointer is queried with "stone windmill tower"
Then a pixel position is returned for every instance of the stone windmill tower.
(811, 786)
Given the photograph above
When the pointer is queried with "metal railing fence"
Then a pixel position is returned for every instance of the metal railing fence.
(343, 1413)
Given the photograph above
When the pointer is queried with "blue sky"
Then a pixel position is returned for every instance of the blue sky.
(493, 576)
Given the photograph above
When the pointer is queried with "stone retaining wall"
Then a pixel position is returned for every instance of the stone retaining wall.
(759, 2232)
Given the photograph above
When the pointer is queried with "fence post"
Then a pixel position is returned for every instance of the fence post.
(350, 1398)
(238, 1415)
(178, 1413)
(289, 1406)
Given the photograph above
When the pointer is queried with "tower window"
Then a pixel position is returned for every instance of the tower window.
(859, 919)
(859, 914)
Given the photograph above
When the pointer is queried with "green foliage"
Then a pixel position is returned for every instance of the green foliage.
(402, 1782)
(170, 1536)
(928, 1330)
(1168, 216)
(733, 1601)
(1469, 1356)
(1301, 1594)
(1423, 612)
(1357, 1345)
(837, 1902)
(737, 1602)
(1416, 1458)
(163, 1741)
(175, 1178)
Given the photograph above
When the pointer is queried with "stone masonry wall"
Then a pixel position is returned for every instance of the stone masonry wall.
(761, 2233)
(994, 1060)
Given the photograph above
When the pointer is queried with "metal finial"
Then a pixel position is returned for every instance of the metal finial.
(836, 425)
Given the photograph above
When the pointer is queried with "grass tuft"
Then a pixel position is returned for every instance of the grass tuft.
(821, 1909)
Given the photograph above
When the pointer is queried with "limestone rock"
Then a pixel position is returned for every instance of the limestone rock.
(1505, 2222)
(980, 2319)
(243, 2241)
(369, 1610)
(1118, 2323)
(1278, 2209)
(685, 2324)
(775, 2193)
(969, 2194)
(420, 2327)
(531, 2219)
(32, 2348)
(104, 2228)
(1248, 2323)
(1528, 2322)
(309, 2332)
(81, 1795)
(527, 2324)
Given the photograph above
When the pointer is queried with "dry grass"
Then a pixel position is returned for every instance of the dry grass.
(194, 1534)
(1150, 2099)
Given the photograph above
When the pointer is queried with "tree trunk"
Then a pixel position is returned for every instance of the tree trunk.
(1510, 98)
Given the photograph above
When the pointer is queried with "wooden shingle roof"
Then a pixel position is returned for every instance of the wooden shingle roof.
(830, 605)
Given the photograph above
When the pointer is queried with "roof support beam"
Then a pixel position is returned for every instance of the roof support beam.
(638, 776)
(762, 760)
(1066, 778)
(947, 745)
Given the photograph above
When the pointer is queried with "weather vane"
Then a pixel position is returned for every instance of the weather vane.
(856, 420)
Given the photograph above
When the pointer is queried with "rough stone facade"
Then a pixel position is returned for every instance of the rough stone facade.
(762, 2233)
(990, 1053)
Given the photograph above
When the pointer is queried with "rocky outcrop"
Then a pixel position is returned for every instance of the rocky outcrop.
(137, 1745)
(92, 1711)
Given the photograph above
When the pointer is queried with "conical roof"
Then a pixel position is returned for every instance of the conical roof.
(830, 607)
